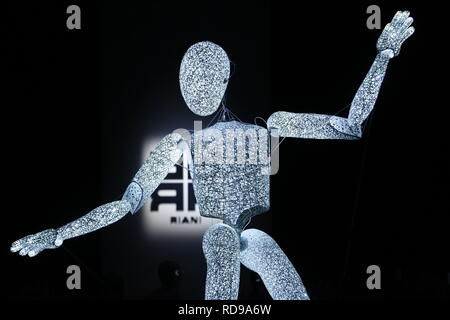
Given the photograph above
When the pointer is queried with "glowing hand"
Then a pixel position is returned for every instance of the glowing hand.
(395, 33)
(33, 244)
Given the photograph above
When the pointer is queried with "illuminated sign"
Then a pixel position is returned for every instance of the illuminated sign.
(172, 209)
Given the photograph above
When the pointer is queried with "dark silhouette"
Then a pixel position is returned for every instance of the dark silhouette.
(169, 273)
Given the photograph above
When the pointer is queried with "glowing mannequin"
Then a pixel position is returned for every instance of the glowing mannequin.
(232, 191)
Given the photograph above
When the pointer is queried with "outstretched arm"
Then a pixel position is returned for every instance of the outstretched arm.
(319, 126)
(146, 180)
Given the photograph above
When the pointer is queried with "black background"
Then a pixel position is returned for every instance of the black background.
(80, 103)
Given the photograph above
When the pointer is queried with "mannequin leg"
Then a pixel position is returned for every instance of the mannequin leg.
(260, 253)
(221, 249)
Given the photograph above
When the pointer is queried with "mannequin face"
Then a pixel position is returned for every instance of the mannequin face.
(204, 74)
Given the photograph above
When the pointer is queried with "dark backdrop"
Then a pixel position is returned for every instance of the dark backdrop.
(80, 104)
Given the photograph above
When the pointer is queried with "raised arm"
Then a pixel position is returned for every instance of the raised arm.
(319, 126)
(146, 180)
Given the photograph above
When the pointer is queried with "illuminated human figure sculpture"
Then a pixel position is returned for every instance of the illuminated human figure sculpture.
(228, 165)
